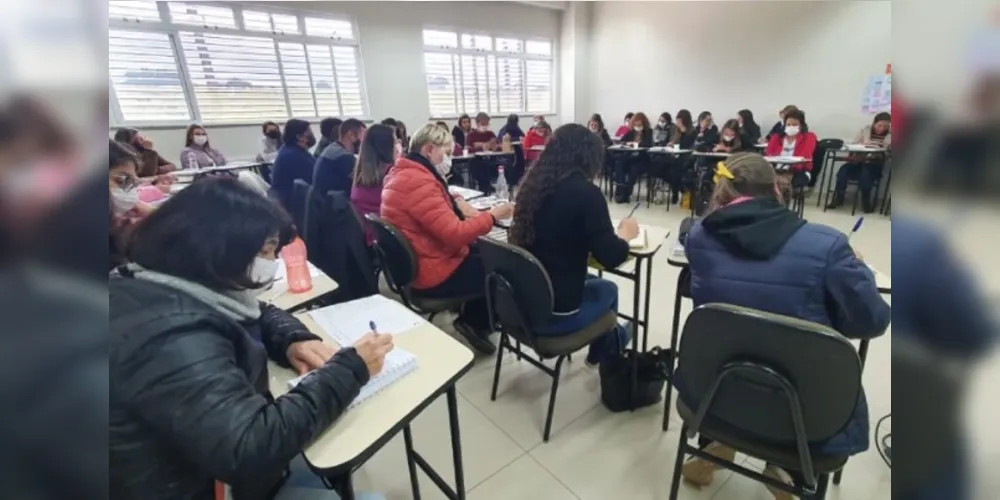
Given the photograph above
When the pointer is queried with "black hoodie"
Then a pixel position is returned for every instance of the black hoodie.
(755, 229)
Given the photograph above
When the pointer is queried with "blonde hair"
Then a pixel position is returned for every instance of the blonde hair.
(752, 176)
(431, 134)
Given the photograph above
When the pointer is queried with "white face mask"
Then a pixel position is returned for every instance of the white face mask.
(663, 123)
(124, 200)
(445, 166)
(638, 128)
(201, 140)
(484, 128)
(728, 138)
(792, 131)
(263, 270)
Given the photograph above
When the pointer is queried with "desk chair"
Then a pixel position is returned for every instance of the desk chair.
(767, 386)
(519, 294)
(819, 159)
(298, 208)
(399, 265)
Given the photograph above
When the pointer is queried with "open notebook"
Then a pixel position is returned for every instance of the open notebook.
(398, 364)
(345, 323)
(640, 240)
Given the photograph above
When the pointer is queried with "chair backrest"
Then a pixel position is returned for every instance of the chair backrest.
(778, 352)
(298, 208)
(819, 155)
(517, 286)
(399, 262)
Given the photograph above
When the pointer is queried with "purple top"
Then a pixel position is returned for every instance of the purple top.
(201, 157)
(367, 200)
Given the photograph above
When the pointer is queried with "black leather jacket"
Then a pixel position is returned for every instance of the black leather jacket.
(189, 402)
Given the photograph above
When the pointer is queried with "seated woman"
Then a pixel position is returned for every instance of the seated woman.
(537, 136)
(441, 229)
(151, 163)
(512, 129)
(123, 187)
(683, 138)
(779, 127)
(512, 132)
(865, 169)
(625, 127)
(752, 252)
(748, 128)
(293, 161)
(482, 139)
(189, 346)
(708, 134)
(730, 140)
(795, 139)
(664, 130)
(629, 165)
(461, 130)
(270, 142)
(562, 219)
(596, 125)
(198, 153)
(378, 153)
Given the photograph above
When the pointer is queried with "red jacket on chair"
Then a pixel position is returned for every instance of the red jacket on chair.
(532, 139)
(417, 202)
(805, 146)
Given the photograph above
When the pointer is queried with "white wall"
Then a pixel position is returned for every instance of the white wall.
(391, 40)
(726, 56)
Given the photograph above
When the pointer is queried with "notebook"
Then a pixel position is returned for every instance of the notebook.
(640, 240)
(345, 323)
(398, 364)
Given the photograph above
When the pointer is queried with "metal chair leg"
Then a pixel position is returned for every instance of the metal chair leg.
(673, 348)
(496, 371)
(837, 476)
(821, 488)
(675, 482)
(552, 399)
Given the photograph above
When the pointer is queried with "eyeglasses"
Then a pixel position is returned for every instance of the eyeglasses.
(125, 181)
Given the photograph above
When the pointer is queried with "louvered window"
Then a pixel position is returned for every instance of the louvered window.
(471, 72)
(173, 62)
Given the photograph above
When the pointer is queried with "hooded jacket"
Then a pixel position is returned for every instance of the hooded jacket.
(756, 253)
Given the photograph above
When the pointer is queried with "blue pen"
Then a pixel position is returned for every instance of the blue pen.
(857, 225)
(371, 324)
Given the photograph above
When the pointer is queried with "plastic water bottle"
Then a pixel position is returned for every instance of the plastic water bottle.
(297, 266)
(501, 185)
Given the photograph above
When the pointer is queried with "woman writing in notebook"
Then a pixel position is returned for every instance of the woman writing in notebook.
(562, 219)
(190, 342)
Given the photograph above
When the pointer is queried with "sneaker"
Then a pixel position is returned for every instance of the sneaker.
(701, 472)
(779, 474)
(477, 341)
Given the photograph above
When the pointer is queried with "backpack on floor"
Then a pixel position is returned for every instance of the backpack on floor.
(653, 370)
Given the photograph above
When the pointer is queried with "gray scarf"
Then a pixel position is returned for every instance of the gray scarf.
(238, 305)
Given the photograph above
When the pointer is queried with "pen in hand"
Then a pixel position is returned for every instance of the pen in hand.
(636, 207)
(374, 329)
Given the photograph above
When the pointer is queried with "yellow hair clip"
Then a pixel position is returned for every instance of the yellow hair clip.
(721, 170)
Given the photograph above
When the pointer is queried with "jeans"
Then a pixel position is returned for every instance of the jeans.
(865, 173)
(628, 167)
(599, 297)
(302, 484)
(469, 279)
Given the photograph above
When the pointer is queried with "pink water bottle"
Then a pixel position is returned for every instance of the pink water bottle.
(297, 266)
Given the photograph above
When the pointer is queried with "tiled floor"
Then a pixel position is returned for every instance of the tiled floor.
(593, 453)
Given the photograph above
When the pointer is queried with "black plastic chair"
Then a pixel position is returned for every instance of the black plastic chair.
(299, 205)
(768, 386)
(520, 300)
(399, 265)
(819, 158)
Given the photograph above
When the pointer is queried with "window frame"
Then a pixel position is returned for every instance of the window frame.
(173, 30)
(461, 51)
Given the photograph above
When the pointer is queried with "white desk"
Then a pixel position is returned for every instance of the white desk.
(493, 153)
(861, 148)
(711, 154)
(785, 160)
(661, 150)
(279, 296)
(537, 148)
(224, 168)
(466, 193)
(364, 430)
(620, 147)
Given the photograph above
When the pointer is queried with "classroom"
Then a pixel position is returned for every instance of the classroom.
(581, 249)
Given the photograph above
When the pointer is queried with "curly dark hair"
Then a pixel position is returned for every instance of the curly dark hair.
(573, 149)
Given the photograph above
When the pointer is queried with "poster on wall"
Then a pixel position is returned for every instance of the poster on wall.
(878, 93)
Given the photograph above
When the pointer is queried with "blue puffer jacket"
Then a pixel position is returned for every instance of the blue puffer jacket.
(757, 254)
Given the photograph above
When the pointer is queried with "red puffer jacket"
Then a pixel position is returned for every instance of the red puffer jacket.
(417, 203)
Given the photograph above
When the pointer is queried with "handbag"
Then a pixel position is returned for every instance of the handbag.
(617, 392)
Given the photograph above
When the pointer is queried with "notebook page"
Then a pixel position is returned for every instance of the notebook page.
(345, 323)
(640, 240)
(398, 364)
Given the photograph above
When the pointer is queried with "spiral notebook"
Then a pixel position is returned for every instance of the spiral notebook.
(398, 364)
